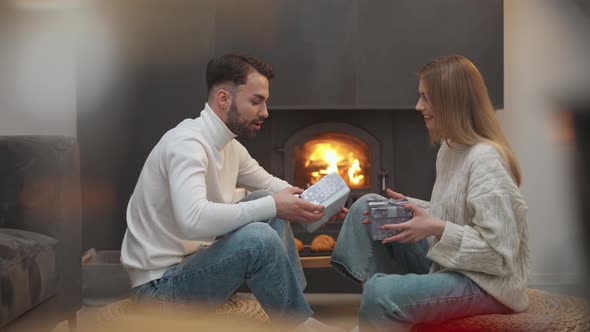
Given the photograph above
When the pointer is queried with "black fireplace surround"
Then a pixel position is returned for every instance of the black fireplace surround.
(401, 159)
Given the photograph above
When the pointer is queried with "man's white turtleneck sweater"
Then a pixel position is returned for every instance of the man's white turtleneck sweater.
(183, 197)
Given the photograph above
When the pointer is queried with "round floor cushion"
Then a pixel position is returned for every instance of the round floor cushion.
(244, 307)
(546, 312)
(237, 307)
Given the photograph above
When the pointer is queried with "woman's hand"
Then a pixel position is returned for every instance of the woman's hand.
(394, 195)
(366, 221)
(391, 194)
(421, 226)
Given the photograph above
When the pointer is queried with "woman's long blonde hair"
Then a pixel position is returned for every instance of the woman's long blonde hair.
(462, 107)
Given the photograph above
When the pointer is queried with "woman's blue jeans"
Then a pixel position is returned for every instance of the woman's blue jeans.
(263, 254)
(398, 291)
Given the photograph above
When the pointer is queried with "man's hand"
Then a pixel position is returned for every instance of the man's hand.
(292, 208)
(421, 226)
(338, 216)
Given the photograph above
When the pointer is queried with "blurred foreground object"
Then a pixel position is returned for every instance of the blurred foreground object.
(546, 312)
(581, 126)
(239, 310)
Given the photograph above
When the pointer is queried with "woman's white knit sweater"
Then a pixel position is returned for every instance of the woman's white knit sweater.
(485, 237)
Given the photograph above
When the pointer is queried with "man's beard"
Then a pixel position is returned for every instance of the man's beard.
(242, 129)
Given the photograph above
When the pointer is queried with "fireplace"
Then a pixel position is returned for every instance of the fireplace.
(330, 152)
(319, 149)
(371, 149)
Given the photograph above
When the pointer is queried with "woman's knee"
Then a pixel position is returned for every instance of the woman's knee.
(357, 210)
(360, 206)
(383, 296)
(373, 294)
(362, 201)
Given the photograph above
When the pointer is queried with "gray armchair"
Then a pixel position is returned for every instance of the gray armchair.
(40, 232)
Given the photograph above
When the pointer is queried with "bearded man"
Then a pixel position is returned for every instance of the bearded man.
(186, 241)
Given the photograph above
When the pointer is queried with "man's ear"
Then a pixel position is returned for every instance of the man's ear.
(223, 98)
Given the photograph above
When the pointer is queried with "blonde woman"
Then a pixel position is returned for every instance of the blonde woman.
(465, 251)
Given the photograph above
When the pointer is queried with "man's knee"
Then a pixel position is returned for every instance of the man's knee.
(259, 235)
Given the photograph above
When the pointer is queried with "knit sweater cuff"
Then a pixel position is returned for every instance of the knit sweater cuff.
(418, 202)
(449, 244)
(266, 208)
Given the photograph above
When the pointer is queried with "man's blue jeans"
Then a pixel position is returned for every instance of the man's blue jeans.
(263, 254)
(398, 291)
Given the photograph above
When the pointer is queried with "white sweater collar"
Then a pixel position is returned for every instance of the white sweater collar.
(218, 131)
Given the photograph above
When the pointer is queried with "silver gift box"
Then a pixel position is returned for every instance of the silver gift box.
(384, 212)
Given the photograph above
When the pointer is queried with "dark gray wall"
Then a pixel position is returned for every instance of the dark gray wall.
(332, 53)
(336, 52)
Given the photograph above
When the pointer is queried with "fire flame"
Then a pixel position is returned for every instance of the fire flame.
(334, 160)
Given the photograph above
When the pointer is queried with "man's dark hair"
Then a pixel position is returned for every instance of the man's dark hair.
(235, 67)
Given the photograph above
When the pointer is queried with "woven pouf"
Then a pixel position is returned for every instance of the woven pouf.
(244, 307)
(546, 312)
(237, 307)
